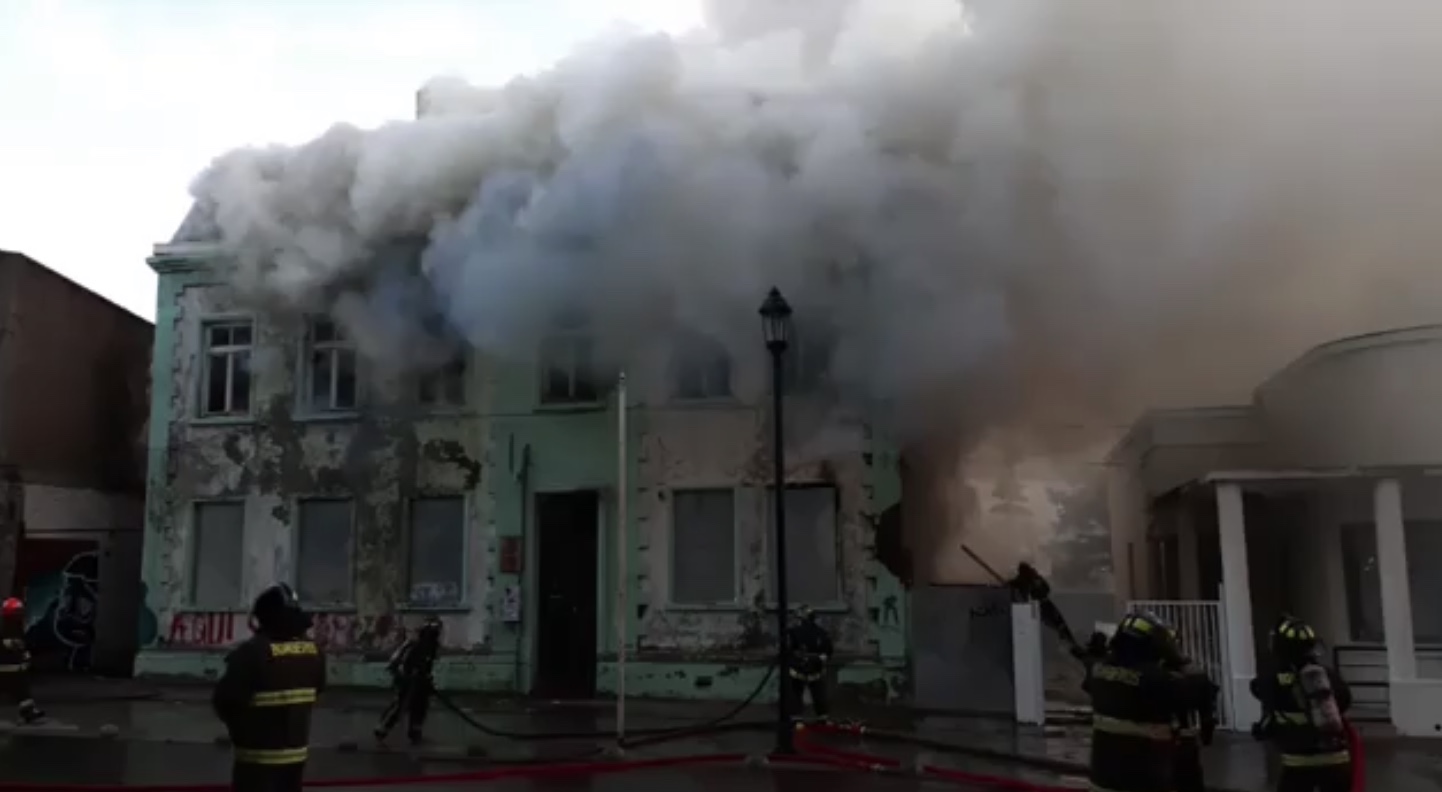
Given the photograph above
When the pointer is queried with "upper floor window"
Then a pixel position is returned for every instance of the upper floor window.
(445, 386)
(568, 370)
(808, 359)
(702, 369)
(226, 368)
(330, 368)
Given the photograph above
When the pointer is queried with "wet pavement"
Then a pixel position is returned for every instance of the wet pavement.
(45, 760)
(166, 718)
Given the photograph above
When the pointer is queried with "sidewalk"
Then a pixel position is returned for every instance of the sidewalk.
(139, 711)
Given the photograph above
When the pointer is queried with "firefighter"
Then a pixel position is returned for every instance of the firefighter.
(1303, 708)
(1134, 696)
(1094, 652)
(15, 661)
(810, 652)
(266, 695)
(410, 668)
(1195, 723)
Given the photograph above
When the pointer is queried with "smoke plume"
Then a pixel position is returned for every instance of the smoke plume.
(1007, 210)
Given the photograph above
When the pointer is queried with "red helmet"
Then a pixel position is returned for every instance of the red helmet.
(12, 607)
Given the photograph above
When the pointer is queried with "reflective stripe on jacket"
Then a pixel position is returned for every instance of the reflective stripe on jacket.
(266, 696)
(1132, 738)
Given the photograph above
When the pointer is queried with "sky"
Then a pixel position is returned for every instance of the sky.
(108, 108)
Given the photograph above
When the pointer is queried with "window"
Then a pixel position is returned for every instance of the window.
(226, 368)
(811, 557)
(330, 368)
(446, 386)
(324, 552)
(808, 358)
(702, 369)
(568, 370)
(215, 559)
(437, 552)
(703, 547)
(1364, 587)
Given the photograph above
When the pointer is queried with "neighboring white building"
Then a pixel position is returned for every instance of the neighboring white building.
(1323, 499)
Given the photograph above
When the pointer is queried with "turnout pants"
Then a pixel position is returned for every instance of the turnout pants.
(1327, 778)
(413, 699)
(799, 685)
(1188, 766)
(247, 777)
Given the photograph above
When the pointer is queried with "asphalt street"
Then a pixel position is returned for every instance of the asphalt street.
(58, 760)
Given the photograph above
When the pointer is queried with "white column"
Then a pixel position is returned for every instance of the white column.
(1237, 604)
(1392, 574)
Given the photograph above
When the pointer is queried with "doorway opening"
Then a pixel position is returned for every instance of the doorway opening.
(566, 524)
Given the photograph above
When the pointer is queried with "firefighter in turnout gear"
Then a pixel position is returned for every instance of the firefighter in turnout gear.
(266, 694)
(1195, 723)
(410, 668)
(810, 652)
(1134, 695)
(1303, 704)
(15, 661)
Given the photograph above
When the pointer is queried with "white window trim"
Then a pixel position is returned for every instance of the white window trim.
(323, 607)
(681, 361)
(229, 351)
(768, 528)
(464, 603)
(736, 548)
(192, 578)
(438, 378)
(570, 338)
(333, 349)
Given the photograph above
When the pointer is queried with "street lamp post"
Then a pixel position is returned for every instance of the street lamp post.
(776, 320)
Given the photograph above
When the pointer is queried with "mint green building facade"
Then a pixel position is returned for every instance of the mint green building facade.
(266, 459)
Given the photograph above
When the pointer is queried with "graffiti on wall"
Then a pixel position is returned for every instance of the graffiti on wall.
(333, 632)
(62, 597)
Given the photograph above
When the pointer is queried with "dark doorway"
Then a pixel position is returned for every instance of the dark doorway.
(566, 585)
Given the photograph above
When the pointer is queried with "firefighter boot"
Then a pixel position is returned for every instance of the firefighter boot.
(30, 713)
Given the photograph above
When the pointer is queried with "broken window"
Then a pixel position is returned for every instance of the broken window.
(330, 368)
(807, 359)
(226, 368)
(218, 546)
(445, 386)
(703, 547)
(437, 552)
(325, 547)
(702, 369)
(812, 571)
(568, 370)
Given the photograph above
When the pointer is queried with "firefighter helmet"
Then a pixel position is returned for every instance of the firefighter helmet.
(277, 609)
(1293, 640)
(1143, 636)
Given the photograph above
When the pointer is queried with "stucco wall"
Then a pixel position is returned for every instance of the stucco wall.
(500, 452)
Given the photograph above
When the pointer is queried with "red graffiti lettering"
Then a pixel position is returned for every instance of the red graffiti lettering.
(203, 629)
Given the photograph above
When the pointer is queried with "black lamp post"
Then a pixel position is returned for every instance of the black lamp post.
(776, 319)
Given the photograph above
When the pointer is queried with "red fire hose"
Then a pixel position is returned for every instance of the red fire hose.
(1359, 759)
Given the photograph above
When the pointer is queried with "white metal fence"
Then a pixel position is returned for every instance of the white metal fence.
(1202, 630)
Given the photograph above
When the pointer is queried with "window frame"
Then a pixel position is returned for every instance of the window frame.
(571, 338)
(768, 530)
(1355, 531)
(297, 504)
(206, 324)
(684, 359)
(335, 347)
(437, 379)
(737, 578)
(463, 603)
(193, 557)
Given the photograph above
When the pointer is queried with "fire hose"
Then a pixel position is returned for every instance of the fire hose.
(643, 737)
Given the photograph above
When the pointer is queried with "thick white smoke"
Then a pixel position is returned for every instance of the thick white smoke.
(1018, 207)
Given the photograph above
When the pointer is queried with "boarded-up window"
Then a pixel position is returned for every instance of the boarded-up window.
(437, 552)
(703, 547)
(812, 571)
(216, 564)
(325, 550)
